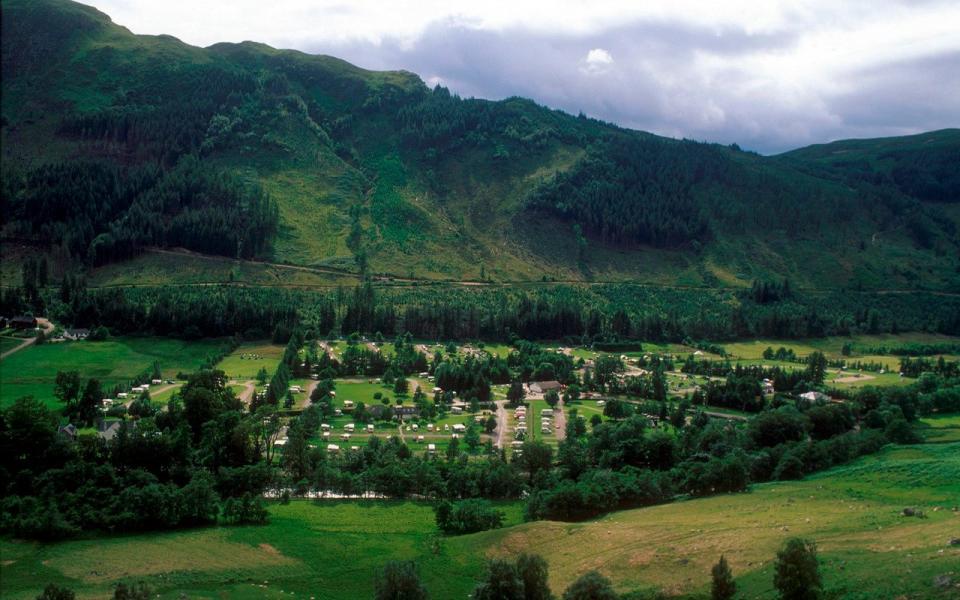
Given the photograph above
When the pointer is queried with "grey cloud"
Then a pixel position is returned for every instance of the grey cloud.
(655, 84)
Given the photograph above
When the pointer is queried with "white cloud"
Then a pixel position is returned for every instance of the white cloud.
(597, 61)
(770, 75)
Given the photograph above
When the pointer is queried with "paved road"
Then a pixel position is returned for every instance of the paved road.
(560, 421)
(501, 422)
(47, 328)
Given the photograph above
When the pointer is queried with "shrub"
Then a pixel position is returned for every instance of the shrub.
(399, 580)
(797, 572)
(246, 510)
(590, 586)
(467, 516)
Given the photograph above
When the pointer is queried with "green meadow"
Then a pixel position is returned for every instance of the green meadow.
(832, 346)
(33, 370)
(8, 343)
(247, 360)
(331, 548)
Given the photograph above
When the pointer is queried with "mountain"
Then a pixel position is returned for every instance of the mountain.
(115, 142)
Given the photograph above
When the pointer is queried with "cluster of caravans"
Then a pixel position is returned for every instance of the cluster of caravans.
(107, 403)
(521, 427)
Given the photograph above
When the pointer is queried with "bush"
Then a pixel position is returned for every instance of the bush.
(246, 510)
(54, 592)
(399, 580)
(99, 334)
(598, 491)
(797, 572)
(900, 432)
(715, 476)
(590, 586)
(467, 516)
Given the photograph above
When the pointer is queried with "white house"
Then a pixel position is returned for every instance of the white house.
(813, 396)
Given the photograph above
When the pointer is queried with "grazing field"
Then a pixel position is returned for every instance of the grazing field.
(247, 360)
(832, 346)
(853, 513)
(9, 343)
(169, 267)
(941, 429)
(330, 549)
(33, 370)
(326, 549)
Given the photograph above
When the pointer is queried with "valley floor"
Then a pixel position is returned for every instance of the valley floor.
(330, 549)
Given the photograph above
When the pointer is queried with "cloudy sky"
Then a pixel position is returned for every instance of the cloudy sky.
(769, 75)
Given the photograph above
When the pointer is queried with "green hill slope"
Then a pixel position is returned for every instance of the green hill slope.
(867, 549)
(363, 170)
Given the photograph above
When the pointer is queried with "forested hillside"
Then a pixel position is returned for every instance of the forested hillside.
(114, 143)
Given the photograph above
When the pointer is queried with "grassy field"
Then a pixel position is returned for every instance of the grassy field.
(168, 267)
(330, 549)
(244, 362)
(8, 343)
(32, 371)
(832, 346)
(867, 549)
(941, 429)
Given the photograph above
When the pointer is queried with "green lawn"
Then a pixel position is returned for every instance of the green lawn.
(9, 343)
(326, 549)
(941, 429)
(246, 361)
(33, 370)
(330, 549)
(832, 346)
(867, 549)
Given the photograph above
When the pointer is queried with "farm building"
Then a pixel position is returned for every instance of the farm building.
(108, 430)
(23, 322)
(542, 387)
(814, 396)
(68, 431)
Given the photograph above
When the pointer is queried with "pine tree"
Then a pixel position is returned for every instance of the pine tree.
(722, 585)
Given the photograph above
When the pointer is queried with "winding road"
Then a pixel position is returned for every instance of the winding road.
(47, 328)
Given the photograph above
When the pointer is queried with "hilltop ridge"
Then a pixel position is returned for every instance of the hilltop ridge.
(374, 171)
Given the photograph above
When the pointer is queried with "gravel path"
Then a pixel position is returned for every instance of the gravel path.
(47, 328)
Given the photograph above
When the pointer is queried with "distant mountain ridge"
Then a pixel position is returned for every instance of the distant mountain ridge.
(113, 142)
